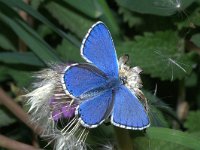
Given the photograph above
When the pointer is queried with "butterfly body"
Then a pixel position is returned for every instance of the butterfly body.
(103, 86)
(109, 85)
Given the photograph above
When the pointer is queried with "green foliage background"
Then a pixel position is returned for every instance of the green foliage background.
(160, 36)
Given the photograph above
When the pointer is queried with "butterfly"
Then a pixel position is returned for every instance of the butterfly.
(98, 86)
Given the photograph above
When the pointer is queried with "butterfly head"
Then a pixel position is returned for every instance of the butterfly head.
(129, 76)
(123, 79)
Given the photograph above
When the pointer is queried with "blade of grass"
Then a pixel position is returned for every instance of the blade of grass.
(6, 44)
(21, 5)
(174, 136)
(32, 39)
(27, 58)
(109, 18)
(85, 7)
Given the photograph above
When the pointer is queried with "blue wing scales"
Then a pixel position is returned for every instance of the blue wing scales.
(128, 112)
(80, 78)
(98, 49)
(95, 110)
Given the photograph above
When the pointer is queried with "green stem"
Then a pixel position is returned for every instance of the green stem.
(123, 139)
(182, 105)
(181, 91)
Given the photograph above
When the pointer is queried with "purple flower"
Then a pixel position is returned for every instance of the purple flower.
(62, 109)
(68, 111)
(56, 115)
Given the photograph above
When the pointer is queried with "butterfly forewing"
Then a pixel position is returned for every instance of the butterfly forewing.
(80, 78)
(98, 49)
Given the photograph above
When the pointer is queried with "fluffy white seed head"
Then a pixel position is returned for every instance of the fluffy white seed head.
(47, 97)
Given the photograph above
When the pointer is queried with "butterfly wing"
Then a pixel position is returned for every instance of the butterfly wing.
(128, 112)
(98, 48)
(80, 78)
(95, 110)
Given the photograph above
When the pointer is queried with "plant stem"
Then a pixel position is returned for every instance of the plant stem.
(22, 45)
(14, 145)
(182, 105)
(123, 139)
(18, 111)
(181, 92)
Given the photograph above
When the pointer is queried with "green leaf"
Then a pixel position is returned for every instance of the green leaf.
(159, 54)
(6, 119)
(99, 134)
(21, 5)
(144, 143)
(27, 58)
(36, 3)
(156, 7)
(193, 121)
(190, 21)
(32, 39)
(174, 136)
(156, 116)
(191, 80)
(130, 17)
(196, 38)
(22, 78)
(6, 44)
(69, 19)
(85, 7)
(68, 52)
(159, 110)
(44, 30)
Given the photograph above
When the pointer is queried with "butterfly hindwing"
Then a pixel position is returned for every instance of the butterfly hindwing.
(128, 112)
(98, 49)
(95, 110)
(80, 78)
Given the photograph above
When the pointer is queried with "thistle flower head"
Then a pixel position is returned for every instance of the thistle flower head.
(63, 141)
(49, 104)
(38, 98)
(131, 78)
(62, 109)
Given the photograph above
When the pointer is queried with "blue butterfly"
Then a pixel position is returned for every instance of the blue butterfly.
(98, 85)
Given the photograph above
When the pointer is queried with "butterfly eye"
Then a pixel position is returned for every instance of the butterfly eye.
(123, 79)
